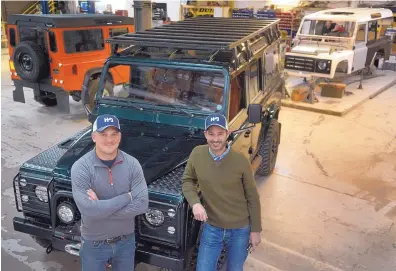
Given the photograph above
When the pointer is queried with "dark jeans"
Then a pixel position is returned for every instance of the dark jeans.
(211, 244)
(95, 254)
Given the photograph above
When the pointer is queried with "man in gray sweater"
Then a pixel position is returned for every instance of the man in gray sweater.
(109, 189)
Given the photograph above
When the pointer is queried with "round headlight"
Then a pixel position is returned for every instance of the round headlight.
(155, 217)
(41, 193)
(65, 212)
(322, 65)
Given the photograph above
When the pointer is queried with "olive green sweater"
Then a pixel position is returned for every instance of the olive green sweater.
(228, 188)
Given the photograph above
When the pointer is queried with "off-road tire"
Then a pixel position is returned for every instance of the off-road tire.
(30, 52)
(88, 98)
(269, 149)
(41, 241)
(193, 257)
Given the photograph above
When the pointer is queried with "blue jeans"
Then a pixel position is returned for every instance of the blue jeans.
(236, 242)
(95, 254)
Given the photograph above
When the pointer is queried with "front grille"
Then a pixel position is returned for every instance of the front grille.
(33, 205)
(300, 63)
(62, 186)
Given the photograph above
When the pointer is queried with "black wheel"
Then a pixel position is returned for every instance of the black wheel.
(41, 241)
(269, 149)
(193, 257)
(88, 98)
(31, 63)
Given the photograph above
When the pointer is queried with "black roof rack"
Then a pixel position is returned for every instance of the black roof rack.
(71, 20)
(202, 34)
(225, 41)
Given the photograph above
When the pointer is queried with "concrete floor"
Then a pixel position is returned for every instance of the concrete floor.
(330, 205)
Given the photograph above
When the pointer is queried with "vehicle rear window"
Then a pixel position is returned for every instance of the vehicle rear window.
(52, 41)
(83, 40)
(34, 34)
(12, 37)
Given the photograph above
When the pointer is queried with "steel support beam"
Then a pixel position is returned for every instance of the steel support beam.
(44, 6)
(142, 14)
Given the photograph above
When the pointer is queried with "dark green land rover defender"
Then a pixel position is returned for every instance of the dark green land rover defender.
(172, 77)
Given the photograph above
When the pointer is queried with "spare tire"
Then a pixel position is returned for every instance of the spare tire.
(31, 64)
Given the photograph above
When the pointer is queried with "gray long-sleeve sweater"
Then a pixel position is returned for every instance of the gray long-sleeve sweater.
(114, 213)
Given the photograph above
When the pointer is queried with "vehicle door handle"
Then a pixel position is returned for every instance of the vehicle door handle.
(247, 133)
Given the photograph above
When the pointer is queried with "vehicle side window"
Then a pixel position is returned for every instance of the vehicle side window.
(118, 31)
(12, 37)
(237, 95)
(372, 30)
(83, 40)
(253, 80)
(52, 41)
(261, 74)
(271, 63)
(361, 33)
(113, 32)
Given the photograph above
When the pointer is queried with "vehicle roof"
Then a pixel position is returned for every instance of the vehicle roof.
(71, 20)
(351, 14)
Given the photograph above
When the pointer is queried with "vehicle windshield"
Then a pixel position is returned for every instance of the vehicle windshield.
(328, 28)
(195, 90)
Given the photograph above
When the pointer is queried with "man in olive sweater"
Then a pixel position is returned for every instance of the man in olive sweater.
(231, 205)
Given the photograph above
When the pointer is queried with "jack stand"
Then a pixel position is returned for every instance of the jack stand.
(361, 79)
(311, 97)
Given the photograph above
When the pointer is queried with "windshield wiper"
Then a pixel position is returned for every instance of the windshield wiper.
(180, 110)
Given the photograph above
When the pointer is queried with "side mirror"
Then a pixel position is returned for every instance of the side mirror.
(91, 116)
(254, 113)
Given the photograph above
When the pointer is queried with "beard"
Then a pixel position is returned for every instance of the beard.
(217, 145)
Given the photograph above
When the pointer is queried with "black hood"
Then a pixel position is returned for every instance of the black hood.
(159, 148)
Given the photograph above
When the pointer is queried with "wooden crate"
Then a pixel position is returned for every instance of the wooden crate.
(332, 89)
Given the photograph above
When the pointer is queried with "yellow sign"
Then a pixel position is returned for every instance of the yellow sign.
(202, 11)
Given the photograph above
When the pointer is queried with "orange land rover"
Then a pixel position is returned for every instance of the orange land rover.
(62, 55)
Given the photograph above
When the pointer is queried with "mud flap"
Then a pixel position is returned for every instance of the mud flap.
(18, 95)
(63, 101)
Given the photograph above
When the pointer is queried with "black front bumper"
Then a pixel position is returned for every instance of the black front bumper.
(144, 256)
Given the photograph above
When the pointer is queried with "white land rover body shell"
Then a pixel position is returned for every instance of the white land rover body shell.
(310, 50)
(320, 53)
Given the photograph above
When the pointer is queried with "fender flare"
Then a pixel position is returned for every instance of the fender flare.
(349, 65)
(272, 112)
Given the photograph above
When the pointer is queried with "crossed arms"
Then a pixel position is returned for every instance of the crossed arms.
(122, 206)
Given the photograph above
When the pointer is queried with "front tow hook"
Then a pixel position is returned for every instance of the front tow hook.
(73, 249)
(49, 249)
